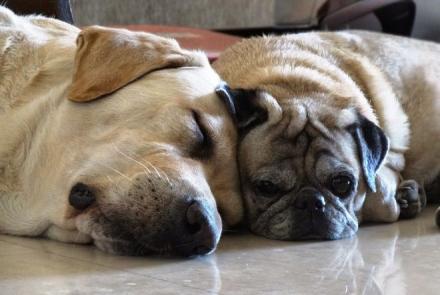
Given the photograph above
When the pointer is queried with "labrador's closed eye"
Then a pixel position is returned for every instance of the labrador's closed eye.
(204, 144)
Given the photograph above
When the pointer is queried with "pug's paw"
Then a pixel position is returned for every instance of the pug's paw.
(411, 198)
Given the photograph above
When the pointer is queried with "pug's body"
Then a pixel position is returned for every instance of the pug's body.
(336, 129)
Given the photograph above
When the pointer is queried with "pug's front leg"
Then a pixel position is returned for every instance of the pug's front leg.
(381, 205)
(411, 198)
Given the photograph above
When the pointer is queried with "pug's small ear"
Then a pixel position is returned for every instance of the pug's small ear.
(243, 105)
(373, 146)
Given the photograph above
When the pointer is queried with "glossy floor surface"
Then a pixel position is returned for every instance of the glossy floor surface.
(400, 258)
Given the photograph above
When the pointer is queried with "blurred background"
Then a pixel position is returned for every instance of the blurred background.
(427, 24)
(213, 25)
(250, 17)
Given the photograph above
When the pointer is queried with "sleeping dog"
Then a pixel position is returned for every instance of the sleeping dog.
(112, 137)
(336, 129)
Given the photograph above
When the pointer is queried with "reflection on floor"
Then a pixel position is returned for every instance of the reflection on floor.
(401, 258)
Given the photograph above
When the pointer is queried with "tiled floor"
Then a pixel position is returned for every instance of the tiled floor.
(401, 258)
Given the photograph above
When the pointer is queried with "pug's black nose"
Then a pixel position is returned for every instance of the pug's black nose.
(81, 197)
(203, 230)
(318, 204)
(310, 199)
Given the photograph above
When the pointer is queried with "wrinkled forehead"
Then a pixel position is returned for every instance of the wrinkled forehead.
(316, 114)
(307, 128)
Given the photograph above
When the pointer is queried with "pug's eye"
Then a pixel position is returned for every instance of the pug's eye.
(342, 185)
(267, 188)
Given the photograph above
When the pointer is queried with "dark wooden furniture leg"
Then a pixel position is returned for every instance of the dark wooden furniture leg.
(395, 16)
(59, 9)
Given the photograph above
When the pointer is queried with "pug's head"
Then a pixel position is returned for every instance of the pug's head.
(306, 162)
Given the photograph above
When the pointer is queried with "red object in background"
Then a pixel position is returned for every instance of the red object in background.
(212, 43)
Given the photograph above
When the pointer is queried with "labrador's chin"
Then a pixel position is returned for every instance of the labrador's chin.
(115, 244)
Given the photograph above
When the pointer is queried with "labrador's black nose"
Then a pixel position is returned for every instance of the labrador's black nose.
(81, 196)
(310, 199)
(202, 228)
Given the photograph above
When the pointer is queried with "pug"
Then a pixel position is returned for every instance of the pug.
(114, 138)
(336, 128)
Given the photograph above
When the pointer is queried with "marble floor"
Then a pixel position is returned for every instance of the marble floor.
(401, 258)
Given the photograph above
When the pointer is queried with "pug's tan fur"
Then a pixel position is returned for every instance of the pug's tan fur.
(392, 81)
(112, 111)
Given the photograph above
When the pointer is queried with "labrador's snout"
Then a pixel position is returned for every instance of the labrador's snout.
(168, 215)
(202, 229)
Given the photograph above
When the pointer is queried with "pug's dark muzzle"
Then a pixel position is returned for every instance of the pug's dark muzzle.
(320, 218)
(307, 215)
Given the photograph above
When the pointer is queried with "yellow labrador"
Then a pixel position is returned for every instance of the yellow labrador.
(113, 137)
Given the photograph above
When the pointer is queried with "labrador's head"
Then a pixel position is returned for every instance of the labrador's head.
(142, 151)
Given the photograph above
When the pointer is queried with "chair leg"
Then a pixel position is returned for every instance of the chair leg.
(60, 9)
(397, 18)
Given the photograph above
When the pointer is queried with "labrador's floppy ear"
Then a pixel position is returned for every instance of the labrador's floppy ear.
(107, 59)
(372, 147)
(243, 106)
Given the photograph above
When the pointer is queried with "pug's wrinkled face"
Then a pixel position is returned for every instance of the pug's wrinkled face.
(303, 165)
